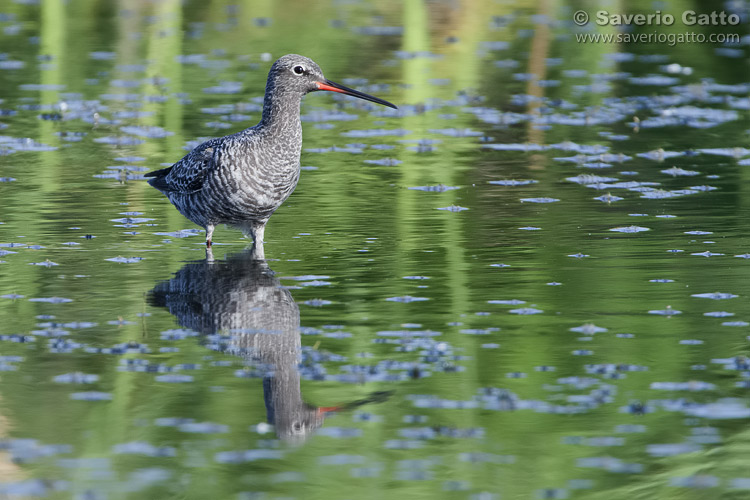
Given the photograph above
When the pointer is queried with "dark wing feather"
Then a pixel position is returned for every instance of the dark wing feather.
(188, 174)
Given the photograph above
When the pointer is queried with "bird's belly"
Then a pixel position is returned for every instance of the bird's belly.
(249, 197)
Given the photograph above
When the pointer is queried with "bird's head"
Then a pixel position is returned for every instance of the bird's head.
(295, 73)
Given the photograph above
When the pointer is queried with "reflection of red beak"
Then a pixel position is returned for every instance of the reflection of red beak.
(328, 409)
(337, 87)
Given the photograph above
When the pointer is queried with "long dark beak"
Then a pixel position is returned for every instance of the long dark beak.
(337, 87)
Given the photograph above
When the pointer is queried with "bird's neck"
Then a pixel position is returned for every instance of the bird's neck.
(281, 113)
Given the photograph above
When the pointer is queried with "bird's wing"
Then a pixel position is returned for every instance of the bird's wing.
(188, 174)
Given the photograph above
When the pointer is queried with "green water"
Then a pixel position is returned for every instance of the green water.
(497, 352)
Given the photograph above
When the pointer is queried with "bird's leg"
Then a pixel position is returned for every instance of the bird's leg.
(209, 233)
(257, 233)
(258, 252)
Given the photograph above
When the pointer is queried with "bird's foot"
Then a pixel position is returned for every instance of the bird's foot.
(208, 243)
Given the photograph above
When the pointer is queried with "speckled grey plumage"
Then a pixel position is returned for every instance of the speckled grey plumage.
(241, 179)
(241, 298)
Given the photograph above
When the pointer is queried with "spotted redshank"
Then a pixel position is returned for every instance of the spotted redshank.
(241, 179)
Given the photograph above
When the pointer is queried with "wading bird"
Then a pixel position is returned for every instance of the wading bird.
(241, 179)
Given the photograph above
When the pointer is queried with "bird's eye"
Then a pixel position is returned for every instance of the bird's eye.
(298, 70)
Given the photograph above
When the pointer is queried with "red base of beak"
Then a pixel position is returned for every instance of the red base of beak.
(323, 86)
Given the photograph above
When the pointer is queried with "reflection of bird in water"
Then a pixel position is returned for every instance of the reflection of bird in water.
(241, 297)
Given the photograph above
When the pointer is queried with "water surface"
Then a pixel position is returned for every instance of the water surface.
(530, 281)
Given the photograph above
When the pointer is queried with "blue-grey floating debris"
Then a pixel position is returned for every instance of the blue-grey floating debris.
(143, 448)
(715, 295)
(224, 87)
(707, 254)
(702, 187)
(203, 427)
(182, 233)
(46, 263)
(514, 147)
(386, 162)
(91, 396)
(693, 385)
(499, 265)
(661, 280)
(539, 200)
(514, 182)
(551, 494)
(11, 64)
(743, 256)
(398, 132)
(379, 30)
(665, 312)
(340, 432)
(342, 459)
(699, 233)
(307, 277)
(172, 421)
(584, 179)
(454, 132)
(589, 329)
(239, 457)
(51, 300)
(119, 140)
(629, 229)
(675, 172)
(610, 464)
(660, 154)
(579, 255)
(130, 159)
(478, 331)
(453, 208)
(152, 132)
(735, 152)
(608, 198)
(725, 408)
(76, 378)
(440, 188)
(718, 314)
(735, 323)
(510, 302)
(672, 449)
(336, 149)
(406, 299)
(125, 260)
(524, 311)
(174, 378)
(317, 302)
